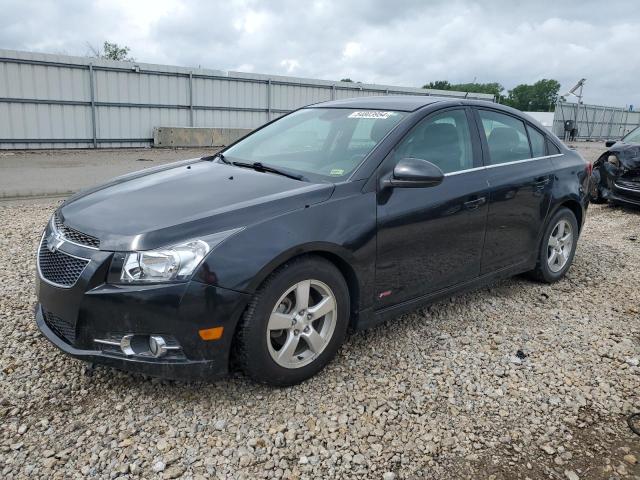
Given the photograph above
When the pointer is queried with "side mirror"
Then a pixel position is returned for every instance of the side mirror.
(414, 173)
(609, 143)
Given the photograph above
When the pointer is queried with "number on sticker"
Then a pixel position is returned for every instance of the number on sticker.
(371, 114)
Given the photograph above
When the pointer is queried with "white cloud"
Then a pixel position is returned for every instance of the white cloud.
(352, 49)
(405, 42)
(251, 22)
(290, 65)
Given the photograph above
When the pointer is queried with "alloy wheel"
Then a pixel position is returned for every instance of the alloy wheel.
(301, 324)
(559, 246)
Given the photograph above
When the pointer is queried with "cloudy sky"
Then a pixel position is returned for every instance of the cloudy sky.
(396, 42)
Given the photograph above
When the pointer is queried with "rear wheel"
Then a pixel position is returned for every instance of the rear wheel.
(295, 324)
(558, 247)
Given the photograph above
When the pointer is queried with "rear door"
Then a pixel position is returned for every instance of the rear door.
(431, 238)
(520, 176)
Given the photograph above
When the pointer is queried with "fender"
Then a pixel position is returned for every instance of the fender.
(346, 238)
(321, 248)
(571, 194)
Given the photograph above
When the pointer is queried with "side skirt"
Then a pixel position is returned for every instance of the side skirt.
(370, 318)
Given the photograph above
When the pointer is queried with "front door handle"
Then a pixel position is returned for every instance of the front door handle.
(473, 204)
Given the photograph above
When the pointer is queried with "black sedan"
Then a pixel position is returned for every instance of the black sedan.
(616, 173)
(334, 217)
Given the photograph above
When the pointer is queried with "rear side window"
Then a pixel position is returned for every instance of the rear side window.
(444, 139)
(506, 137)
(537, 142)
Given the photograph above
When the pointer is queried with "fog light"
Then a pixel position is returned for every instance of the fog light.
(157, 346)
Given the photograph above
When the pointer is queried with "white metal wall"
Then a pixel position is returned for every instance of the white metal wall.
(594, 122)
(58, 101)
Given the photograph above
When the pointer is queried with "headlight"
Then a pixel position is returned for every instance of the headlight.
(169, 264)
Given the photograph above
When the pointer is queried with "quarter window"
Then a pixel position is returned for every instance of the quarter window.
(552, 148)
(443, 139)
(506, 137)
(537, 142)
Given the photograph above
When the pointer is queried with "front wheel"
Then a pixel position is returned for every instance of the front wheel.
(558, 247)
(295, 323)
(595, 193)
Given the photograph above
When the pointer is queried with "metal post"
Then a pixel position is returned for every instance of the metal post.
(333, 92)
(624, 124)
(604, 116)
(269, 100)
(191, 99)
(93, 105)
(564, 133)
(593, 122)
(613, 112)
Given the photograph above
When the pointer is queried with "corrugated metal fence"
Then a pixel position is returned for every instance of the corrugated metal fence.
(57, 101)
(594, 122)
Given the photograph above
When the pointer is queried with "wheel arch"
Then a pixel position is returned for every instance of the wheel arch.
(575, 207)
(332, 253)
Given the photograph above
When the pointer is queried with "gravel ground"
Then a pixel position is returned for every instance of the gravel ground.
(440, 393)
(589, 150)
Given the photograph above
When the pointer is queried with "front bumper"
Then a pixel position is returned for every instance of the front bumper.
(624, 191)
(73, 318)
(185, 370)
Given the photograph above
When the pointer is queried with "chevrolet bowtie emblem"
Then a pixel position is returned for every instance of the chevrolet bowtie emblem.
(54, 242)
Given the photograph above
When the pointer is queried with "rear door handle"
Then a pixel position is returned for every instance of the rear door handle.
(473, 204)
(541, 181)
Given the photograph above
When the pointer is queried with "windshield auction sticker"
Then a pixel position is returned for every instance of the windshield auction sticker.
(371, 114)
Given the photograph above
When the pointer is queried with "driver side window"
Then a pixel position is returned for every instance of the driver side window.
(443, 139)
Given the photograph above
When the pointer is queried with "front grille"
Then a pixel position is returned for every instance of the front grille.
(74, 235)
(58, 267)
(61, 327)
(628, 185)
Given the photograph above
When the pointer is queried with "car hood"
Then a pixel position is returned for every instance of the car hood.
(628, 153)
(185, 200)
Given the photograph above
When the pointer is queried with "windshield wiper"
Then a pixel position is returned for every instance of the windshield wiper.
(260, 167)
(219, 155)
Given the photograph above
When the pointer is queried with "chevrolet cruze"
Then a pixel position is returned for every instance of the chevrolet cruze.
(334, 217)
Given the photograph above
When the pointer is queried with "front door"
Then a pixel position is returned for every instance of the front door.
(520, 174)
(431, 238)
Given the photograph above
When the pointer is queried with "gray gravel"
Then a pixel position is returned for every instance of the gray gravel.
(440, 393)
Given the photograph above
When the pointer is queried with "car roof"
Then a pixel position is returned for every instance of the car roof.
(403, 103)
(411, 103)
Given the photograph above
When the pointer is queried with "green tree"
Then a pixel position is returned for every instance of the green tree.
(111, 51)
(438, 85)
(541, 96)
(347, 80)
(492, 88)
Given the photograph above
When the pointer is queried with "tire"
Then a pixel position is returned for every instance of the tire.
(287, 356)
(551, 271)
(594, 188)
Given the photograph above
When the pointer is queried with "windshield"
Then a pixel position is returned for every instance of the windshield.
(325, 142)
(632, 137)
